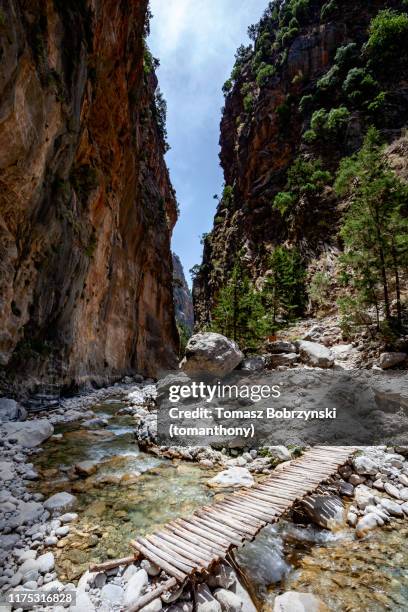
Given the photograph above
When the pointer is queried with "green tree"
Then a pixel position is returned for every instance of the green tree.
(239, 313)
(305, 177)
(284, 288)
(375, 228)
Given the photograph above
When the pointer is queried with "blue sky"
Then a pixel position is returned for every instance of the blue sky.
(195, 41)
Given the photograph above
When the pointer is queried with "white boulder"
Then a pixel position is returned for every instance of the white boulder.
(232, 477)
(210, 354)
(29, 433)
(315, 354)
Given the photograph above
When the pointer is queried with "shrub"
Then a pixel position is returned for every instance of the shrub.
(359, 85)
(306, 103)
(226, 88)
(318, 121)
(330, 79)
(378, 103)
(319, 289)
(283, 202)
(301, 9)
(387, 43)
(248, 102)
(304, 177)
(329, 10)
(289, 36)
(337, 119)
(264, 73)
(346, 56)
(309, 136)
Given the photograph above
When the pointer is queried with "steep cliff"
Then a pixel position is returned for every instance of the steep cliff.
(86, 204)
(307, 89)
(183, 302)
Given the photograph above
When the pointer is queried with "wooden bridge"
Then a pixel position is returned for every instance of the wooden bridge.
(189, 548)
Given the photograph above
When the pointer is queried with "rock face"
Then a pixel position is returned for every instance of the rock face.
(86, 205)
(183, 301)
(210, 354)
(315, 354)
(270, 100)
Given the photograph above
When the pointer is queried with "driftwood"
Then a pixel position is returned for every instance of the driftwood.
(107, 565)
(154, 594)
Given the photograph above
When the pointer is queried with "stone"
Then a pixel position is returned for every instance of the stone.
(85, 468)
(346, 489)
(366, 523)
(293, 601)
(29, 433)
(60, 502)
(391, 507)
(247, 603)
(129, 479)
(46, 562)
(10, 410)
(327, 511)
(151, 568)
(112, 593)
(283, 359)
(404, 508)
(389, 360)
(51, 541)
(356, 479)
(83, 603)
(210, 354)
(315, 354)
(135, 587)
(232, 477)
(404, 494)
(205, 602)
(391, 490)
(230, 602)
(8, 542)
(403, 479)
(352, 518)
(129, 572)
(68, 517)
(279, 453)
(6, 471)
(280, 346)
(365, 466)
(99, 580)
(363, 496)
(62, 531)
(28, 512)
(223, 576)
(153, 606)
(253, 364)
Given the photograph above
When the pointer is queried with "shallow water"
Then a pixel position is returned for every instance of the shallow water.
(111, 513)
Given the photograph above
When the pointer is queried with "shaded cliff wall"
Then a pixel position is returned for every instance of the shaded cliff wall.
(86, 204)
(183, 302)
(270, 101)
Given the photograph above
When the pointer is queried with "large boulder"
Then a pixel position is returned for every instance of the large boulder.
(210, 354)
(292, 601)
(232, 477)
(280, 346)
(60, 502)
(135, 587)
(315, 354)
(327, 511)
(10, 410)
(389, 360)
(29, 433)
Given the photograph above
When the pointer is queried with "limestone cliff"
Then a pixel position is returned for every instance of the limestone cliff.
(308, 86)
(183, 303)
(86, 204)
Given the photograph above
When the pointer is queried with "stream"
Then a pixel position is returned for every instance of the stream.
(133, 492)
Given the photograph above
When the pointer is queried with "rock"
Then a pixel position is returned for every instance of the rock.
(135, 587)
(293, 601)
(129, 572)
(232, 477)
(366, 524)
(6, 471)
(68, 517)
(365, 466)
(60, 502)
(346, 489)
(327, 511)
(28, 512)
(151, 568)
(391, 490)
(404, 494)
(315, 354)
(62, 531)
(403, 479)
(280, 346)
(129, 479)
(342, 351)
(205, 600)
(29, 433)
(363, 496)
(153, 606)
(46, 562)
(389, 360)
(253, 364)
(86, 579)
(112, 593)
(10, 410)
(99, 580)
(223, 576)
(404, 508)
(356, 479)
(247, 604)
(391, 507)
(230, 602)
(8, 542)
(85, 468)
(279, 453)
(352, 519)
(83, 603)
(284, 359)
(210, 354)
(51, 541)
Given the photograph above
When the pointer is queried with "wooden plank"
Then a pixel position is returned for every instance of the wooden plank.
(260, 499)
(229, 520)
(251, 511)
(209, 547)
(220, 528)
(107, 565)
(156, 540)
(169, 569)
(172, 559)
(152, 595)
(242, 516)
(221, 543)
(187, 547)
(202, 530)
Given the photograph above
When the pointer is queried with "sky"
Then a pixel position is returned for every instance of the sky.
(195, 41)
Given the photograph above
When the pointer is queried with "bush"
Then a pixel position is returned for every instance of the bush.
(309, 136)
(265, 71)
(248, 102)
(301, 9)
(328, 124)
(378, 103)
(226, 88)
(283, 202)
(306, 103)
(346, 56)
(387, 43)
(359, 85)
(289, 36)
(304, 177)
(330, 79)
(319, 289)
(329, 10)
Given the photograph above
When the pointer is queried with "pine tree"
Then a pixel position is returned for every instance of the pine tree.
(375, 227)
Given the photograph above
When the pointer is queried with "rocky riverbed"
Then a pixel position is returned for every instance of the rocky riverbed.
(75, 488)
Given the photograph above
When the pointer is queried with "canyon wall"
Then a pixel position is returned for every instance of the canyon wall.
(86, 204)
(308, 56)
(183, 302)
